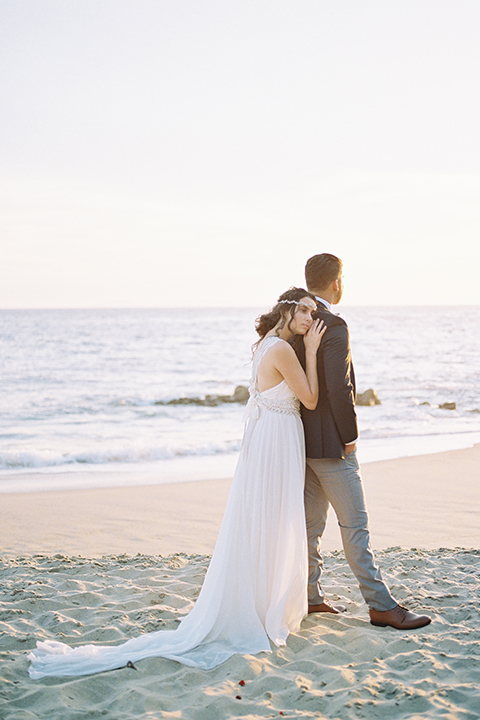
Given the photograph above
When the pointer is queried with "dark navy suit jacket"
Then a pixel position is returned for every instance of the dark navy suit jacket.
(333, 423)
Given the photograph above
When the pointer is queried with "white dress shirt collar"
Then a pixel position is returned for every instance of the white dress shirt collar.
(325, 302)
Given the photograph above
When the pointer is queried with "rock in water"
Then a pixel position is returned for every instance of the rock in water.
(369, 397)
(448, 406)
(241, 394)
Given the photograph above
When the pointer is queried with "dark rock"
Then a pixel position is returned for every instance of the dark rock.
(239, 396)
(424, 403)
(369, 397)
(448, 406)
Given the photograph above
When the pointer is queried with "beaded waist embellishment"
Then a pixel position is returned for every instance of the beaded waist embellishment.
(290, 406)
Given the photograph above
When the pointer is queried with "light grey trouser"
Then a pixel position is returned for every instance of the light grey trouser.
(338, 482)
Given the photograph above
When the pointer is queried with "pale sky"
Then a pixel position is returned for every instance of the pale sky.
(196, 152)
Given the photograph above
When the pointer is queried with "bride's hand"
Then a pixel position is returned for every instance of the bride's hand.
(313, 336)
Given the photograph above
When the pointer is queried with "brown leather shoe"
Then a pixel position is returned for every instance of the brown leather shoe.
(326, 607)
(399, 618)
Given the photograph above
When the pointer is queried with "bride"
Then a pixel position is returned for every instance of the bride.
(255, 589)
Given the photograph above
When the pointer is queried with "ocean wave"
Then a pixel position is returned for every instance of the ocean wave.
(30, 460)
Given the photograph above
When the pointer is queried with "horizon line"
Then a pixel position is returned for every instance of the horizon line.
(231, 307)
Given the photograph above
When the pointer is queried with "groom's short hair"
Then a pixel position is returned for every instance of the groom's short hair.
(321, 270)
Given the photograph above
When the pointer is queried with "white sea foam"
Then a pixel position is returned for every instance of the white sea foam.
(22, 461)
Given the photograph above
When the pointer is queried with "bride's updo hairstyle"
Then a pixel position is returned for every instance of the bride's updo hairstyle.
(283, 311)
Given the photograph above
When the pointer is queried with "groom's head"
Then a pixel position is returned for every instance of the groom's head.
(323, 275)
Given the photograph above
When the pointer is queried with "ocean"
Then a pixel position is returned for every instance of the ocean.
(87, 396)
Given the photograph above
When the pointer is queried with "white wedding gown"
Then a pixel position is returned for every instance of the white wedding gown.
(255, 589)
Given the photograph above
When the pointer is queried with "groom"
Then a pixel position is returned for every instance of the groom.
(333, 474)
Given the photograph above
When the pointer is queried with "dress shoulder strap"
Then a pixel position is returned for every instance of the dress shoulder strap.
(262, 347)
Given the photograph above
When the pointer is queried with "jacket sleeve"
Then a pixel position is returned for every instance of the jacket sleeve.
(339, 381)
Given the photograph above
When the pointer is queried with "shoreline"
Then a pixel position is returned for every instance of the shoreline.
(204, 467)
(426, 501)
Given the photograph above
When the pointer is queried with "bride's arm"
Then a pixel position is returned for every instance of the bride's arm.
(304, 383)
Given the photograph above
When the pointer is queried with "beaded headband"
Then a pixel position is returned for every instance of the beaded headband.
(289, 302)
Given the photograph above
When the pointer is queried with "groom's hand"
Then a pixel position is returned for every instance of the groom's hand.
(350, 448)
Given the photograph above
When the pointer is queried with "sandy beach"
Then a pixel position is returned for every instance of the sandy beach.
(106, 565)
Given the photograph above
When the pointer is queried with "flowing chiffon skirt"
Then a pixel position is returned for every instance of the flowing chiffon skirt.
(255, 589)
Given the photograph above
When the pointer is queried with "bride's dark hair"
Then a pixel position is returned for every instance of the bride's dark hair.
(284, 310)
